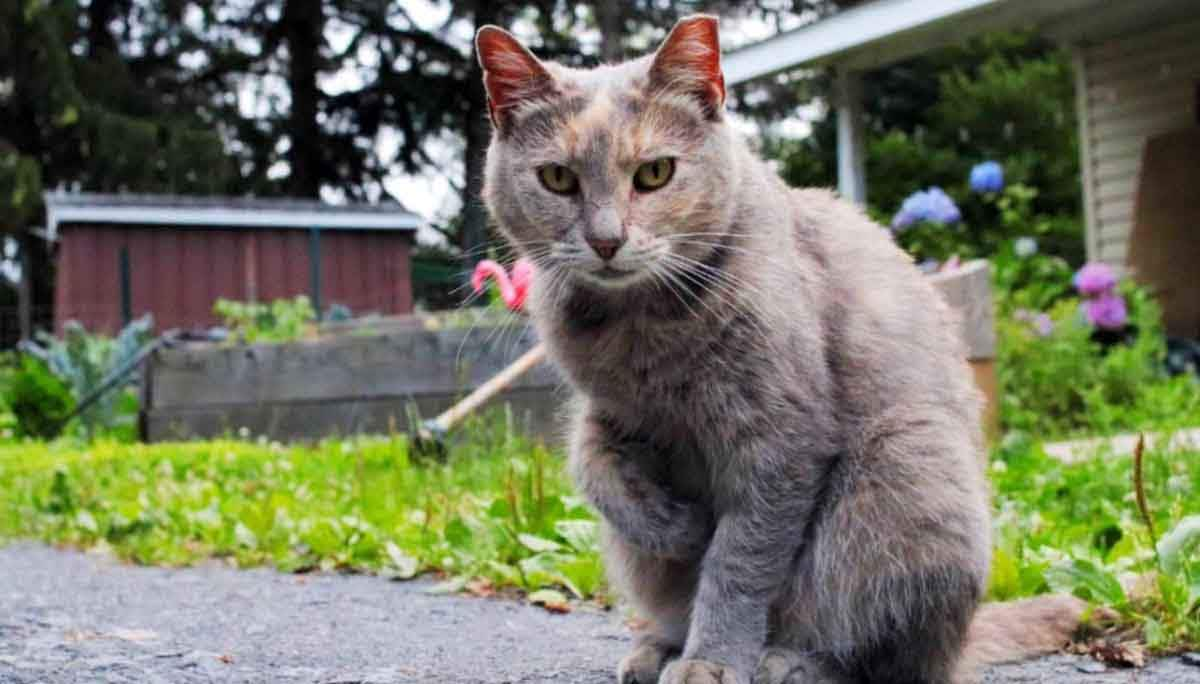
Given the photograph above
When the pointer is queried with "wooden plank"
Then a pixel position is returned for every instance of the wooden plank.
(536, 411)
(1170, 99)
(1118, 49)
(1115, 210)
(1086, 150)
(969, 292)
(1113, 93)
(390, 365)
(1121, 170)
(1149, 64)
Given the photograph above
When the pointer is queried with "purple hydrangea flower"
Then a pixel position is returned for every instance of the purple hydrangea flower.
(1107, 311)
(932, 205)
(1041, 322)
(1043, 325)
(1095, 279)
(987, 176)
(1025, 247)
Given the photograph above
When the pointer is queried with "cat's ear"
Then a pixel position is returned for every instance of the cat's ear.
(689, 61)
(511, 74)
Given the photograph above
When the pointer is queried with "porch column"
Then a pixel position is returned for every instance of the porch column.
(25, 287)
(851, 138)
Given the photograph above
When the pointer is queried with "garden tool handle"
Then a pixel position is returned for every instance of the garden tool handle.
(497, 384)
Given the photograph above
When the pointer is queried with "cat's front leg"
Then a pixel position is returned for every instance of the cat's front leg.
(614, 476)
(765, 506)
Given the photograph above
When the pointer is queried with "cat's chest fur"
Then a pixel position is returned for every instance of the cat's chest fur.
(667, 385)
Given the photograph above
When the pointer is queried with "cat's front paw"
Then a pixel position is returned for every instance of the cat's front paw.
(643, 664)
(699, 672)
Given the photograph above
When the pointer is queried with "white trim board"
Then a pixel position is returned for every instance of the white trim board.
(221, 217)
(840, 33)
(885, 31)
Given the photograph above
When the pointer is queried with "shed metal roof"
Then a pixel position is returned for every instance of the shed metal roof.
(234, 212)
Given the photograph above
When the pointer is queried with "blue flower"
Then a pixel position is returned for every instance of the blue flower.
(1025, 247)
(987, 176)
(943, 209)
(932, 205)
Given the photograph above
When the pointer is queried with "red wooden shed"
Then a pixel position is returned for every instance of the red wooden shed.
(120, 256)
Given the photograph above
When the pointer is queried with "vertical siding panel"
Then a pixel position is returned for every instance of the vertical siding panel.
(364, 295)
(377, 283)
(403, 280)
(226, 267)
(334, 268)
(1135, 87)
(65, 286)
(106, 302)
(272, 274)
(196, 282)
(299, 269)
(391, 280)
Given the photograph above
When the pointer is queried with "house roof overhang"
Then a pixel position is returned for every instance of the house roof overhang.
(884, 31)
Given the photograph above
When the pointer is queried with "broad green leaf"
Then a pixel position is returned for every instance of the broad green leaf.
(458, 534)
(87, 521)
(538, 544)
(1084, 579)
(244, 536)
(69, 115)
(450, 586)
(582, 535)
(551, 599)
(404, 565)
(1179, 544)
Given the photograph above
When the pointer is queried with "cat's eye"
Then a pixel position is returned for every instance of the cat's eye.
(558, 178)
(653, 175)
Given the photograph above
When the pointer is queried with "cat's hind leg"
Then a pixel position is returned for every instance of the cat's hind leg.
(660, 591)
(897, 560)
(789, 666)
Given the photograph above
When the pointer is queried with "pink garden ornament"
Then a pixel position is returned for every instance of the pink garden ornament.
(514, 286)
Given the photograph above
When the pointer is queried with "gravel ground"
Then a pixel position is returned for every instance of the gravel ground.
(74, 617)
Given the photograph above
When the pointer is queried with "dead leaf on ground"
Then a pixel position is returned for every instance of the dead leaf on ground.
(1127, 653)
(480, 588)
(137, 635)
(550, 599)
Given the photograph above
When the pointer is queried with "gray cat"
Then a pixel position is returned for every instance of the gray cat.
(773, 416)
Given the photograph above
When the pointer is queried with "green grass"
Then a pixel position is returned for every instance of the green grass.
(499, 508)
(500, 512)
(1078, 528)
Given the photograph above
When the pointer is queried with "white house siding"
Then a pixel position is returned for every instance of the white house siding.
(1130, 88)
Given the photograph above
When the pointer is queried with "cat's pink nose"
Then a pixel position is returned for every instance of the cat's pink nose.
(605, 248)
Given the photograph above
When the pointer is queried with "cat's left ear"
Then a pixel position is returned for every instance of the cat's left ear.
(689, 60)
(511, 73)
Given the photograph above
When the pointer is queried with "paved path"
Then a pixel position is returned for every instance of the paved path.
(69, 617)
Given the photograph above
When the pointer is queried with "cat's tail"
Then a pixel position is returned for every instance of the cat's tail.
(1016, 630)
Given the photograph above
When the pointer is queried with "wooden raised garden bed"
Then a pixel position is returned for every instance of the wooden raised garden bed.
(365, 381)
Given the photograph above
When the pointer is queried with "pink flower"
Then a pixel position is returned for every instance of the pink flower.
(513, 288)
(1107, 311)
(1094, 279)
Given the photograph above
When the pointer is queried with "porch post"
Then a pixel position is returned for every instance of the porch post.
(851, 138)
(25, 287)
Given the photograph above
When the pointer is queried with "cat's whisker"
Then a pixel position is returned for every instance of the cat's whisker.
(729, 291)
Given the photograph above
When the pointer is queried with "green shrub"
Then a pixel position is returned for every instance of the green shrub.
(39, 400)
(283, 320)
(85, 361)
(1061, 382)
